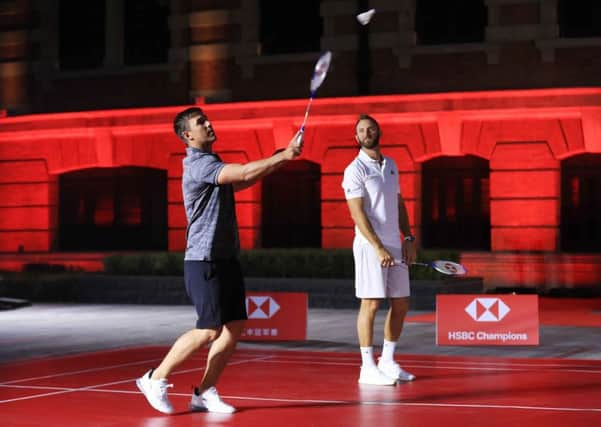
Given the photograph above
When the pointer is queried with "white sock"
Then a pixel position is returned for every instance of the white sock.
(388, 351)
(367, 356)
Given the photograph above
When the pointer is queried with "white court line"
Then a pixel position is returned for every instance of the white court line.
(492, 366)
(310, 358)
(437, 366)
(81, 371)
(428, 363)
(92, 387)
(344, 402)
(402, 359)
(85, 371)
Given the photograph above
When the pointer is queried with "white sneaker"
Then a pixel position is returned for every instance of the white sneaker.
(373, 376)
(393, 370)
(209, 401)
(155, 392)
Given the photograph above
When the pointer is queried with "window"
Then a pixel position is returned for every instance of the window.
(146, 32)
(443, 22)
(81, 41)
(579, 18)
(456, 203)
(581, 203)
(113, 209)
(291, 206)
(139, 31)
(290, 27)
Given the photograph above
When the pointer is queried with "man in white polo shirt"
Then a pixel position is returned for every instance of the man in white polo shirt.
(371, 187)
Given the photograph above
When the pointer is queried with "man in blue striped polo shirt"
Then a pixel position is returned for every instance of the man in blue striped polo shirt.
(212, 271)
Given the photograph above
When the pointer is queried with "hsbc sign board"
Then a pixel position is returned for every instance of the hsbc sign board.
(487, 309)
(261, 307)
(275, 316)
(487, 320)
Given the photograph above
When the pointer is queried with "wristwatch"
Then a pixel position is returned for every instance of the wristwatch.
(409, 238)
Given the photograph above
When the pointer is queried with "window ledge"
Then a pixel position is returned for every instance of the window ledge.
(490, 49)
(548, 47)
(106, 71)
(248, 62)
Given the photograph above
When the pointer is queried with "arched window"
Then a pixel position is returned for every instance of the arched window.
(111, 33)
(290, 26)
(291, 207)
(456, 203)
(81, 34)
(443, 22)
(113, 209)
(579, 18)
(581, 203)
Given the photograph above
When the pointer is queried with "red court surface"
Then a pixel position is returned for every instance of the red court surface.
(290, 388)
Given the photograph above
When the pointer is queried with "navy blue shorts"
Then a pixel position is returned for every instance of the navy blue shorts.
(216, 289)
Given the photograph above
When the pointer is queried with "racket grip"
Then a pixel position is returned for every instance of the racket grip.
(423, 264)
(299, 136)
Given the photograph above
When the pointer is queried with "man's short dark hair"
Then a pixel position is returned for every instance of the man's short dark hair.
(367, 117)
(180, 122)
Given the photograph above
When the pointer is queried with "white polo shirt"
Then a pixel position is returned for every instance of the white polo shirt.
(379, 188)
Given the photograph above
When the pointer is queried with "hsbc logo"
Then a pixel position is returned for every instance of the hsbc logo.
(487, 309)
(261, 307)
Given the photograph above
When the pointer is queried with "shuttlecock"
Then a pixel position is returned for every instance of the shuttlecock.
(365, 17)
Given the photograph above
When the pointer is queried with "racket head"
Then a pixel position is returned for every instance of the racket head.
(448, 267)
(321, 70)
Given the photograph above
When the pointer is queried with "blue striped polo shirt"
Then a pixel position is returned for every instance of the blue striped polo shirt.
(210, 209)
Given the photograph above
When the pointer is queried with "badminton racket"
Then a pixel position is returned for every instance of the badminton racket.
(319, 75)
(443, 266)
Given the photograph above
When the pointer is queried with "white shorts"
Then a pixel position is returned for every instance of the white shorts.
(374, 281)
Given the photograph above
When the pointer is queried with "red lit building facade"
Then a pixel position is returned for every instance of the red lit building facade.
(509, 177)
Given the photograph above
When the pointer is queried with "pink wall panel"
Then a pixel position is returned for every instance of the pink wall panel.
(174, 190)
(574, 137)
(524, 183)
(410, 205)
(26, 194)
(335, 214)
(249, 238)
(68, 155)
(232, 155)
(24, 218)
(176, 215)
(17, 171)
(412, 134)
(239, 140)
(337, 238)
(331, 188)
(336, 159)
(509, 130)
(248, 214)
(408, 184)
(176, 239)
(403, 156)
(250, 194)
(431, 140)
(524, 213)
(28, 241)
(520, 184)
(174, 165)
(524, 238)
(517, 155)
